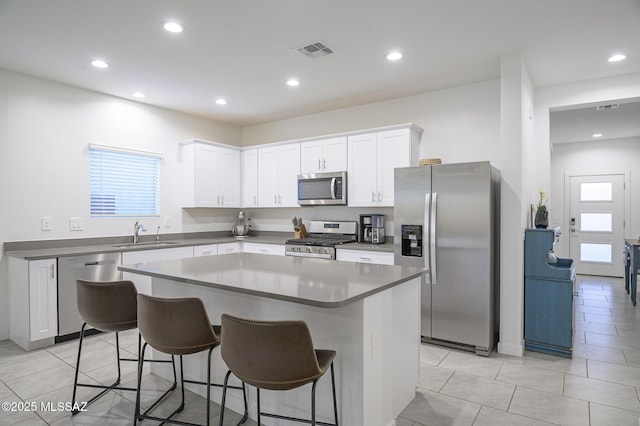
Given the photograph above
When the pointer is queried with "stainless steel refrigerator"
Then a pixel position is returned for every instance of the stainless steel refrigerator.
(446, 217)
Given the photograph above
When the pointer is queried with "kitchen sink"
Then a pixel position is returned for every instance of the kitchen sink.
(146, 244)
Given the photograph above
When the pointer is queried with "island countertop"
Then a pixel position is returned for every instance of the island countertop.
(315, 282)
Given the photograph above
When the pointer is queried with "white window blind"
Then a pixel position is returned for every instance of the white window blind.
(124, 183)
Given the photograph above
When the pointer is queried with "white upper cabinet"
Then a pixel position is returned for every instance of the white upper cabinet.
(323, 156)
(278, 169)
(210, 175)
(372, 160)
(250, 177)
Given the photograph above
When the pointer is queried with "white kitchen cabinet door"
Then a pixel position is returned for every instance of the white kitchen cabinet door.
(268, 177)
(324, 156)
(362, 170)
(393, 150)
(206, 250)
(227, 248)
(210, 175)
(260, 248)
(335, 154)
(143, 283)
(43, 299)
(288, 171)
(311, 157)
(206, 176)
(229, 177)
(365, 256)
(278, 169)
(250, 178)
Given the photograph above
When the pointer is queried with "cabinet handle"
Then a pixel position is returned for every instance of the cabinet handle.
(365, 259)
(218, 200)
(53, 271)
(275, 199)
(379, 196)
(255, 200)
(373, 196)
(324, 164)
(206, 252)
(229, 250)
(279, 199)
(319, 166)
(262, 250)
(222, 200)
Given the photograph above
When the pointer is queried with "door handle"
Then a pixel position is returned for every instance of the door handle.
(333, 188)
(432, 237)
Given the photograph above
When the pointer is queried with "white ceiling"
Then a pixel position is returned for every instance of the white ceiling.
(243, 50)
(619, 119)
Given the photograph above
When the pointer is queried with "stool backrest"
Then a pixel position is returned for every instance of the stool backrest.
(107, 306)
(276, 355)
(178, 326)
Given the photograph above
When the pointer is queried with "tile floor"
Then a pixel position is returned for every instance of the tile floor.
(599, 386)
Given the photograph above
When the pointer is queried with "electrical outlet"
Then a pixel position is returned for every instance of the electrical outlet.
(47, 223)
(76, 224)
(167, 222)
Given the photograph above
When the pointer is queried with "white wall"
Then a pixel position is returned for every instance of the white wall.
(45, 129)
(460, 124)
(596, 156)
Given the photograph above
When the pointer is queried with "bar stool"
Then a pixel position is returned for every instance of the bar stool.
(275, 355)
(178, 326)
(109, 307)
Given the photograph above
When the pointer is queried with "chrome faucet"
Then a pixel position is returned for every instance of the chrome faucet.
(137, 227)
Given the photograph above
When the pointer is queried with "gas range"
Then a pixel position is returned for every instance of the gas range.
(323, 238)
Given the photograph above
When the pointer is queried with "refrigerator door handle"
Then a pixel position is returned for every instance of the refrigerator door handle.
(425, 234)
(432, 237)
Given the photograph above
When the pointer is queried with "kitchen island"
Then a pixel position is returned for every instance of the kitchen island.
(369, 314)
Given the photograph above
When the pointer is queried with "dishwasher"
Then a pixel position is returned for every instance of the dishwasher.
(93, 267)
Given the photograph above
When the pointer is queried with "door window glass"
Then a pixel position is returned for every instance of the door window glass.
(596, 222)
(590, 252)
(596, 191)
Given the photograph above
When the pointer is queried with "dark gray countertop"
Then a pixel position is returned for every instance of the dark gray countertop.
(33, 250)
(315, 282)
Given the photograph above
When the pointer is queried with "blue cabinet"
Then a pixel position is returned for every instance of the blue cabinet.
(549, 288)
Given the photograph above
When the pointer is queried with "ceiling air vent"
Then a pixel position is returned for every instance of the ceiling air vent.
(609, 106)
(315, 50)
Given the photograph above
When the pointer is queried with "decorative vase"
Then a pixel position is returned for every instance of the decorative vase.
(541, 219)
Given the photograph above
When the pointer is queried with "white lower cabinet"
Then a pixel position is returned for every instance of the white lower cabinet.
(260, 248)
(33, 302)
(226, 248)
(143, 283)
(207, 250)
(364, 256)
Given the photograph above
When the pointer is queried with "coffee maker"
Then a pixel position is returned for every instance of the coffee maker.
(371, 228)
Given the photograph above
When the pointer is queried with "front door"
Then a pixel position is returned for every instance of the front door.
(596, 223)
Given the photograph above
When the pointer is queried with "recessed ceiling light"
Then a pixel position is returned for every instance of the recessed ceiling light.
(173, 27)
(617, 57)
(138, 95)
(99, 63)
(597, 135)
(394, 56)
(293, 82)
(221, 101)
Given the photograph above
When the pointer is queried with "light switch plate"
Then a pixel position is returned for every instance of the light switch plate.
(47, 223)
(76, 224)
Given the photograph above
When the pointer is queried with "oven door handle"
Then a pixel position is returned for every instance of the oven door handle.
(333, 188)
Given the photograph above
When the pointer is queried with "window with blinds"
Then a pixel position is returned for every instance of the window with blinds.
(124, 183)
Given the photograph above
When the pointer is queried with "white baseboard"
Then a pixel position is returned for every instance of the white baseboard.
(511, 349)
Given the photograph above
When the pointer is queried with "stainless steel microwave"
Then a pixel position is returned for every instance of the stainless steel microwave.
(315, 189)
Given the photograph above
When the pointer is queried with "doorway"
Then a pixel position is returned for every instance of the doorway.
(596, 218)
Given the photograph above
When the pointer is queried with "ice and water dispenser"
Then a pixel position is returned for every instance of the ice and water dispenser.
(411, 240)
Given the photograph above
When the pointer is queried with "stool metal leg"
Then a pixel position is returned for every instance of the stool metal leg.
(333, 387)
(105, 388)
(224, 398)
